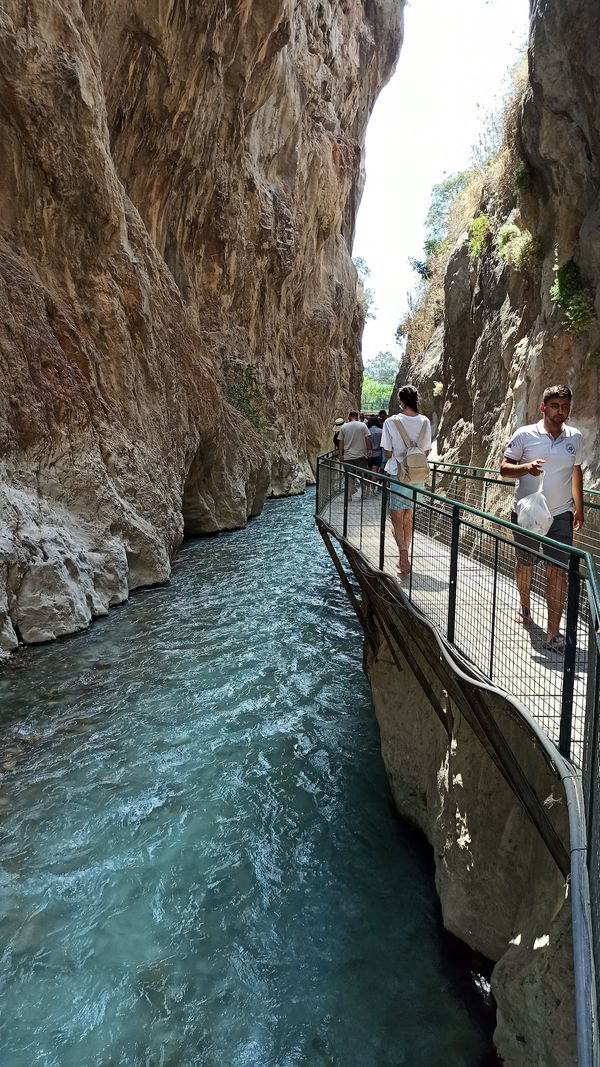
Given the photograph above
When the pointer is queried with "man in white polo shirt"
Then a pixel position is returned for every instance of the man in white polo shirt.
(551, 448)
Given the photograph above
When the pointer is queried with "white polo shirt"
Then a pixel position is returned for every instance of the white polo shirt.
(560, 456)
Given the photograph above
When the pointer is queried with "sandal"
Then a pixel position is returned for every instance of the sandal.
(556, 643)
(524, 616)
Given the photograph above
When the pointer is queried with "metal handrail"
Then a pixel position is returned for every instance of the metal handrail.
(359, 473)
(487, 470)
(582, 575)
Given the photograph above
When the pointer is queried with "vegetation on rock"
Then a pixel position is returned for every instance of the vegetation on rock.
(521, 180)
(516, 247)
(241, 388)
(572, 297)
(364, 295)
(479, 232)
(452, 204)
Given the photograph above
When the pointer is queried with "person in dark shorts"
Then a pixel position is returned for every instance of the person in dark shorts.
(354, 448)
(375, 430)
(552, 448)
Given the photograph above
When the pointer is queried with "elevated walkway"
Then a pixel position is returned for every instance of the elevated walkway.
(462, 583)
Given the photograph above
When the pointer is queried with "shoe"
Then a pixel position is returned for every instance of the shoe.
(556, 643)
(524, 616)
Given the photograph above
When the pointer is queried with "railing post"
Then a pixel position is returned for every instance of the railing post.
(433, 476)
(494, 602)
(566, 713)
(345, 519)
(382, 521)
(592, 713)
(412, 543)
(453, 571)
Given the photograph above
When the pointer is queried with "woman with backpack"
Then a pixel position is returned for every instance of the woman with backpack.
(406, 440)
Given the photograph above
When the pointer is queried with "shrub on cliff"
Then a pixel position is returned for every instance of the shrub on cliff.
(516, 247)
(241, 388)
(573, 298)
(479, 232)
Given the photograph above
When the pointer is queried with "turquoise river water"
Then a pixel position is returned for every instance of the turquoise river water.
(200, 863)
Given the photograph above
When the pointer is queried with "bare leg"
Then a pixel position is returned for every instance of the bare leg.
(402, 529)
(397, 527)
(407, 524)
(556, 590)
(523, 576)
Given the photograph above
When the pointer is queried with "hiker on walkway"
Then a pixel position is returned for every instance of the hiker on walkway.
(375, 431)
(552, 449)
(354, 448)
(401, 432)
(336, 433)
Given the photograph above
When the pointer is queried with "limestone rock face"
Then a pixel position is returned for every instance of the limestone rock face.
(499, 888)
(503, 339)
(179, 317)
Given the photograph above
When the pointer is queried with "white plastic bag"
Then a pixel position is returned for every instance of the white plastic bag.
(533, 512)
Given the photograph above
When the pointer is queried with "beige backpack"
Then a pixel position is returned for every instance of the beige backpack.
(414, 465)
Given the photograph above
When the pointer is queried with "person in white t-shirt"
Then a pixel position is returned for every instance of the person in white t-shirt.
(551, 448)
(392, 443)
(354, 448)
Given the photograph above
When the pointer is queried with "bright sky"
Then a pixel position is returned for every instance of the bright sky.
(452, 70)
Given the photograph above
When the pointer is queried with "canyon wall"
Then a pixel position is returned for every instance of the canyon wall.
(502, 337)
(500, 890)
(179, 316)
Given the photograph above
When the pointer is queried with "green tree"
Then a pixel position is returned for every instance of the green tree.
(374, 395)
(366, 298)
(443, 196)
(383, 368)
(362, 267)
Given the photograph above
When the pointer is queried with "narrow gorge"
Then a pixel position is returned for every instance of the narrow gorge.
(179, 304)
(181, 321)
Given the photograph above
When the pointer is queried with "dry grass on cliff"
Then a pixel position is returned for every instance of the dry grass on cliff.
(426, 309)
(499, 163)
(496, 160)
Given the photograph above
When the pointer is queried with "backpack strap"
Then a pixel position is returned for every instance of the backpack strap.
(421, 436)
(403, 434)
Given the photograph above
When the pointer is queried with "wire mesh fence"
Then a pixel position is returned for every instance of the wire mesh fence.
(461, 565)
(483, 488)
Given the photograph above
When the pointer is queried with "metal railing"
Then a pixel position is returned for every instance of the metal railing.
(462, 564)
(484, 489)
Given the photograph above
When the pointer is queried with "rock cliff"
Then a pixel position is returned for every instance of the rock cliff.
(499, 888)
(179, 314)
(504, 336)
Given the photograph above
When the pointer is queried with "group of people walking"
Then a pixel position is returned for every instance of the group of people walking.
(381, 444)
(542, 456)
